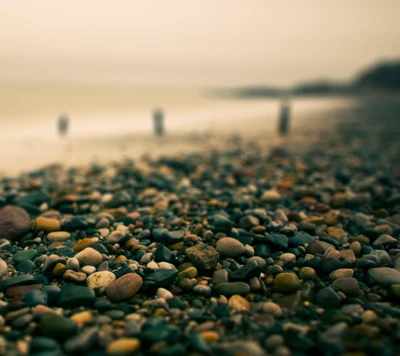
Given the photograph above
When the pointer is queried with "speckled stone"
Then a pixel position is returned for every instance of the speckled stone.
(124, 287)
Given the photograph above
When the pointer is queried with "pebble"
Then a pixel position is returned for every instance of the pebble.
(232, 288)
(14, 222)
(328, 298)
(229, 247)
(58, 236)
(124, 287)
(3, 268)
(286, 283)
(238, 303)
(203, 256)
(89, 256)
(384, 276)
(99, 281)
(123, 347)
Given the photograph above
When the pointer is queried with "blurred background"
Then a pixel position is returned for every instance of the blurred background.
(214, 68)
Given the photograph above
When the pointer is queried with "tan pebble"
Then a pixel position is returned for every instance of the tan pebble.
(58, 236)
(123, 347)
(59, 270)
(355, 246)
(83, 318)
(210, 336)
(238, 303)
(46, 224)
(369, 317)
(121, 259)
(89, 256)
(82, 244)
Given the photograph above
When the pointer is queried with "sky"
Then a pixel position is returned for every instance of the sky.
(212, 43)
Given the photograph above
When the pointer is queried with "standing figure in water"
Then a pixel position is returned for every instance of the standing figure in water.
(63, 123)
(158, 120)
(284, 117)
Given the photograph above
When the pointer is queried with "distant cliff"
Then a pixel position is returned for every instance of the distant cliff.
(384, 76)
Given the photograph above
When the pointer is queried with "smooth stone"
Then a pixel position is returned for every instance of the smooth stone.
(229, 247)
(348, 286)
(308, 273)
(286, 283)
(99, 281)
(115, 237)
(88, 269)
(73, 295)
(220, 276)
(164, 293)
(271, 196)
(58, 236)
(232, 288)
(384, 276)
(46, 225)
(22, 279)
(89, 256)
(14, 222)
(328, 298)
(124, 287)
(57, 327)
(221, 223)
(272, 308)
(385, 239)
(3, 268)
(287, 257)
(203, 256)
(238, 303)
(190, 272)
(123, 347)
(341, 273)
(202, 290)
(27, 266)
(24, 255)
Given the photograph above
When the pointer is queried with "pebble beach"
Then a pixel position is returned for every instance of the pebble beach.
(247, 247)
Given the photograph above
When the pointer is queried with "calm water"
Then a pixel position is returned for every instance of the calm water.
(106, 122)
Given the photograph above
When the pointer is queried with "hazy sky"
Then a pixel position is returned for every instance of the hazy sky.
(218, 42)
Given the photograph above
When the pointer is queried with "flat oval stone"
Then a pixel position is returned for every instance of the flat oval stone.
(100, 280)
(89, 256)
(24, 255)
(286, 283)
(384, 276)
(230, 247)
(231, 288)
(14, 222)
(124, 287)
(123, 347)
(58, 236)
(46, 224)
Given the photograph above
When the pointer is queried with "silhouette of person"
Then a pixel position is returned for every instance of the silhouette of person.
(284, 117)
(158, 120)
(63, 123)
